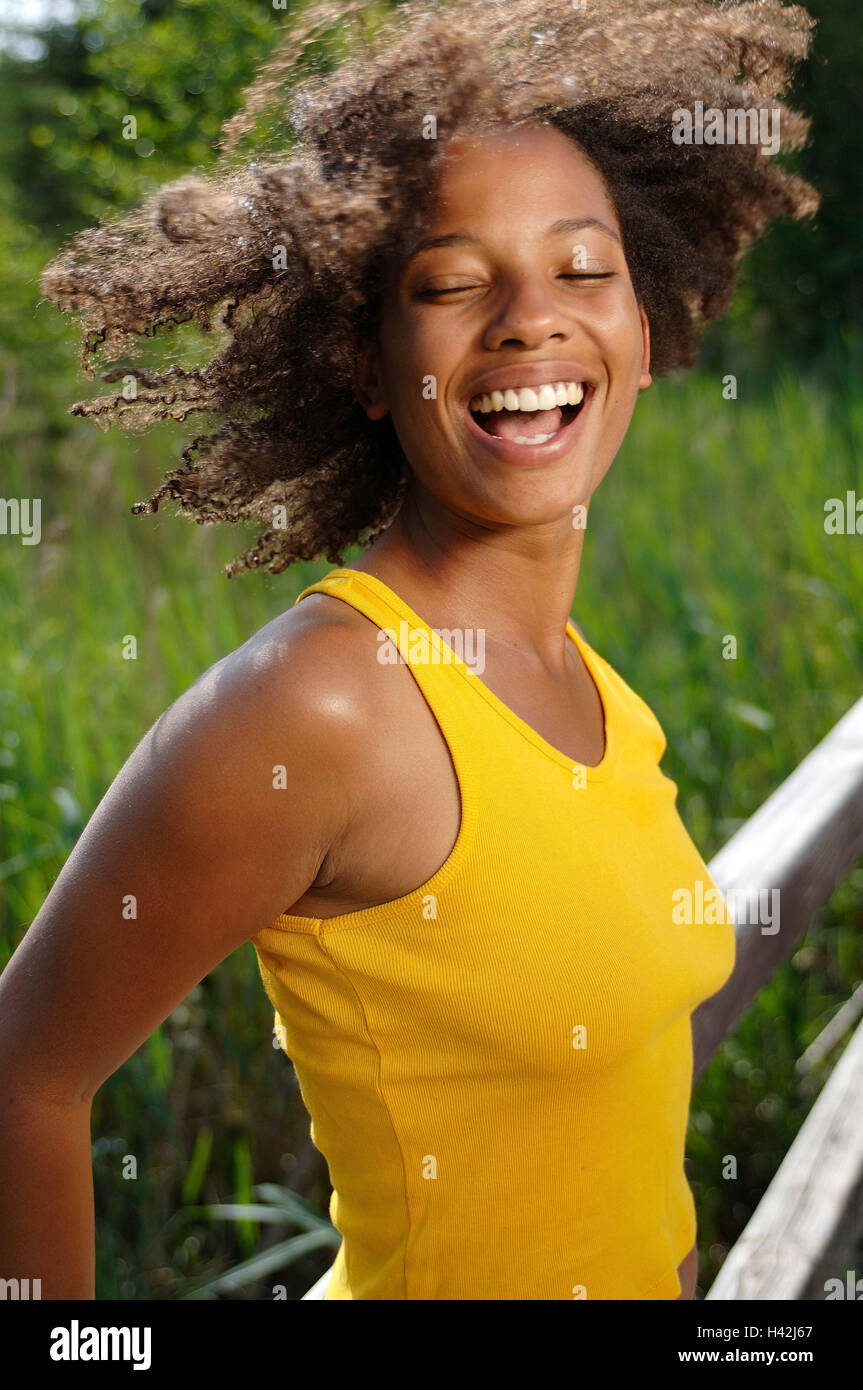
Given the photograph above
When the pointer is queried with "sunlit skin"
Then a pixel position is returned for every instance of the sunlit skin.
(481, 541)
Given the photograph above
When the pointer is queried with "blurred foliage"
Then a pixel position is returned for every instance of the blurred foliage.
(208, 1106)
(70, 155)
(177, 69)
(803, 286)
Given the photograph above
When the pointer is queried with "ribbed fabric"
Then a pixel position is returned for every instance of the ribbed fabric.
(498, 1064)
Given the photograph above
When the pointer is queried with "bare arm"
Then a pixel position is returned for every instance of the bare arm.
(191, 851)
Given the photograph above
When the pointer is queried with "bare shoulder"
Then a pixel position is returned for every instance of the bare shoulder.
(310, 760)
(378, 754)
(307, 683)
(304, 699)
(237, 793)
(372, 786)
(305, 662)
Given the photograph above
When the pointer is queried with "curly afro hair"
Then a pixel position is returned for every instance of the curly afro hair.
(286, 255)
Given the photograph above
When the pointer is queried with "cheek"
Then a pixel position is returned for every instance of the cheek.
(625, 337)
(415, 358)
(621, 346)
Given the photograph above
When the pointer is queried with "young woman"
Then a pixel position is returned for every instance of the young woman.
(459, 875)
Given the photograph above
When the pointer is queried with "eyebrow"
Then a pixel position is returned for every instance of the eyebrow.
(566, 224)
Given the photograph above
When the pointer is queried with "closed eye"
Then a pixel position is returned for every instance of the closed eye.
(462, 289)
(454, 289)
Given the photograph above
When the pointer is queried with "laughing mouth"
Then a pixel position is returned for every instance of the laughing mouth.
(549, 409)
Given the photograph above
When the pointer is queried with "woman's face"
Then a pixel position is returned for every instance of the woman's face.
(520, 283)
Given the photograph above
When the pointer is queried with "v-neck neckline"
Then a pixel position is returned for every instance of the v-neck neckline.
(601, 770)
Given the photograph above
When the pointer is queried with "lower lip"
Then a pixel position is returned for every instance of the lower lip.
(533, 454)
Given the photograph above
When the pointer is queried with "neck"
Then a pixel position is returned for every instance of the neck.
(515, 583)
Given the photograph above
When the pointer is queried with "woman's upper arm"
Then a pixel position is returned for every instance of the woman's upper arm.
(216, 824)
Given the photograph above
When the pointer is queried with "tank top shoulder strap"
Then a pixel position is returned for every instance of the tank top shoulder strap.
(435, 663)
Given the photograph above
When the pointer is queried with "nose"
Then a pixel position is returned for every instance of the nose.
(527, 315)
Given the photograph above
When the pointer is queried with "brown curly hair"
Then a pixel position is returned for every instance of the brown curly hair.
(286, 256)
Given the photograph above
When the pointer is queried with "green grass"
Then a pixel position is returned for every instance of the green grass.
(709, 524)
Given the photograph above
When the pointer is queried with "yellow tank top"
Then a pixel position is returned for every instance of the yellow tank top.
(498, 1065)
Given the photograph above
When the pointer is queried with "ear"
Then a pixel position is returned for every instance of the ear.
(368, 382)
(646, 378)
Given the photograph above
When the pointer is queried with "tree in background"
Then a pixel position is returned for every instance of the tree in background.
(801, 290)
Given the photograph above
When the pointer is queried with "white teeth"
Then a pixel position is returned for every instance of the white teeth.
(539, 439)
(530, 399)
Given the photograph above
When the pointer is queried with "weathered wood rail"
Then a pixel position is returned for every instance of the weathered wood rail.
(796, 848)
(803, 1233)
(802, 842)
